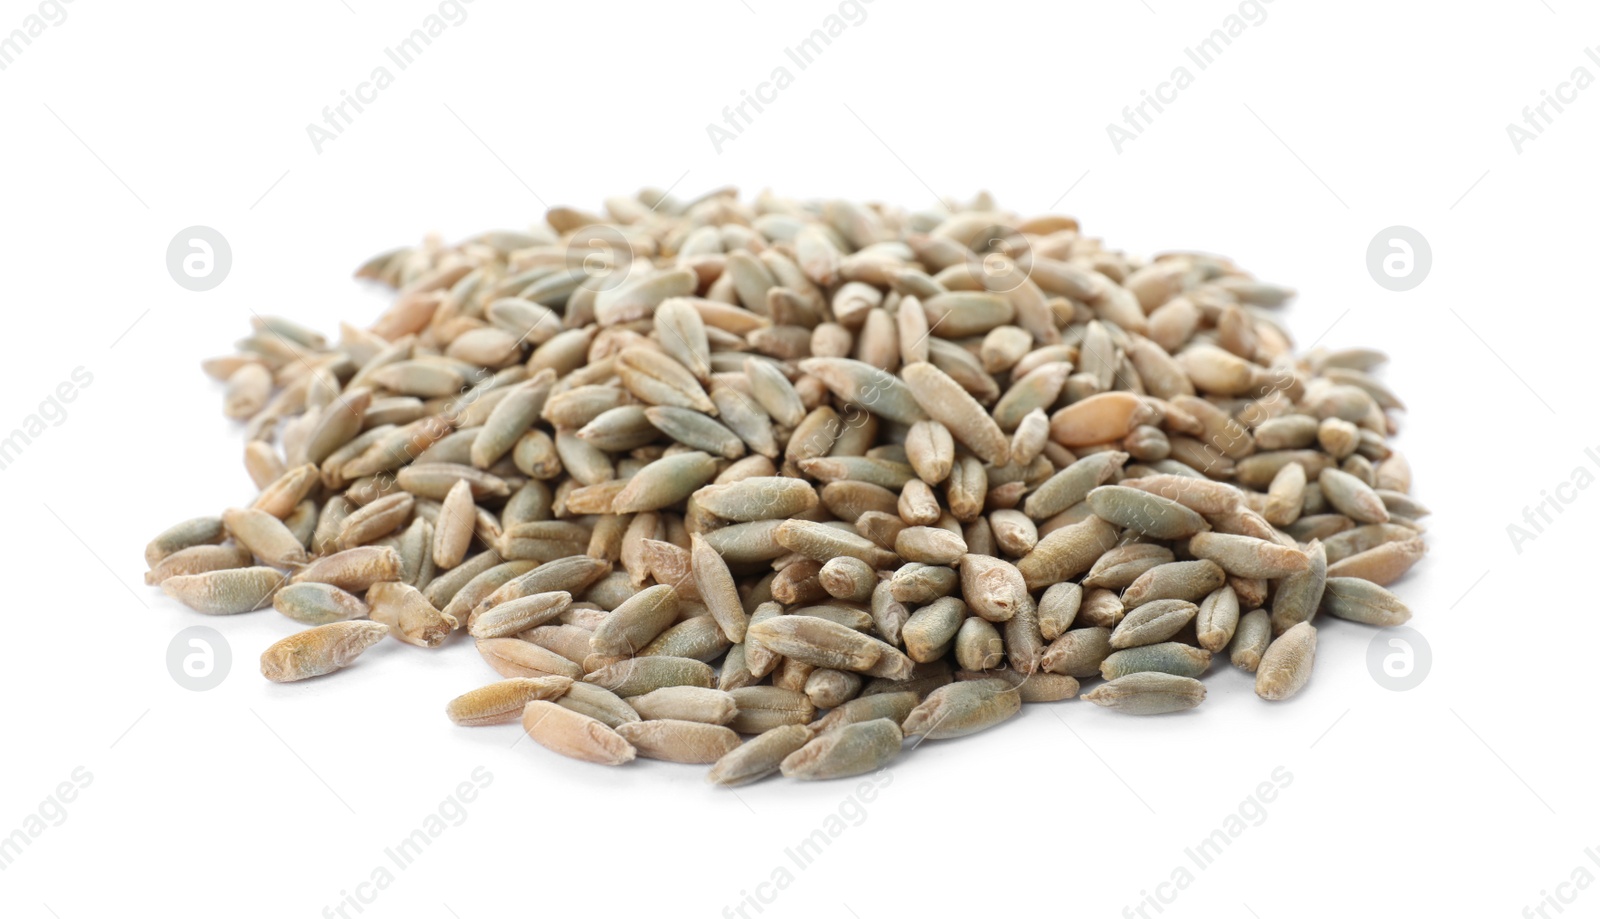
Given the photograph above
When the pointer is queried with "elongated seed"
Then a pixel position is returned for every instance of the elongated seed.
(1352, 497)
(931, 630)
(1058, 608)
(1101, 608)
(267, 537)
(1217, 619)
(1145, 513)
(958, 709)
(1286, 495)
(519, 615)
(198, 560)
(852, 749)
(994, 588)
(679, 741)
(639, 619)
(1155, 621)
(1078, 652)
(758, 757)
(1383, 564)
(1247, 557)
(452, 531)
(225, 592)
(319, 650)
(697, 637)
(848, 578)
(827, 644)
(1149, 693)
(929, 545)
(760, 708)
(639, 675)
(1073, 484)
(318, 604)
(1101, 418)
(513, 657)
(773, 392)
(664, 482)
(876, 390)
(598, 703)
(574, 734)
(1360, 600)
(930, 450)
(822, 542)
(758, 498)
(503, 702)
(717, 590)
(1175, 581)
(1125, 564)
(1286, 667)
(1067, 552)
(198, 531)
(1033, 687)
(1198, 494)
(409, 615)
(1250, 640)
(353, 569)
(470, 594)
(978, 645)
(948, 403)
(279, 498)
(1298, 595)
(375, 520)
(686, 703)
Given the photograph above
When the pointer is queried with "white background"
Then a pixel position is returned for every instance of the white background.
(1318, 127)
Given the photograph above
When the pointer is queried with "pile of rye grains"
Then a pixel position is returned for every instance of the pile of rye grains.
(779, 485)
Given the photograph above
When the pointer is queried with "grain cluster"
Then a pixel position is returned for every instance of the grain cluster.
(779, 485)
